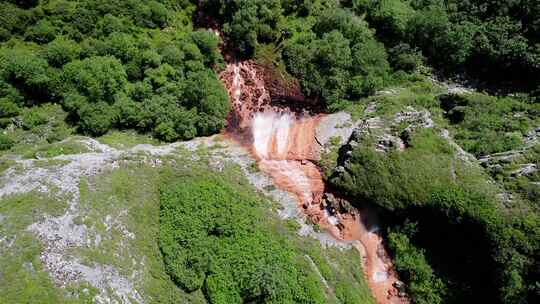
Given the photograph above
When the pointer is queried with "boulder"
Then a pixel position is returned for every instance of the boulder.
(337, 125)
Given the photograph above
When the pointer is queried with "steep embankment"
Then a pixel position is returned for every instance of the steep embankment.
(286, 147)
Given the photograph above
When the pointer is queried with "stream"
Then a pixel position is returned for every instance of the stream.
(283, 142)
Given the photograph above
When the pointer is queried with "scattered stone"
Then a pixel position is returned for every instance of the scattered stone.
(371, 108)
(400, 286)
(387, 142)
(339, 169)
(416, 119)
(505, 197)
(526, 169)
(336, 205)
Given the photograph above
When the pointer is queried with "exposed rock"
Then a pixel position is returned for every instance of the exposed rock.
(339, 169)
(61, 234)
(387, 92)
(400, 286)
(333, 203)
(371, 108)
(461, 86)
(525, 169)
(337, 125)
(375, 123)
(531, 137)
(507, 157)
(505, 197)
(387, 142)
(385, 139)
(461, 154)
(415, 119)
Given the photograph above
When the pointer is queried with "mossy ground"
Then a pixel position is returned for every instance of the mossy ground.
(126, 139)
(22, 278)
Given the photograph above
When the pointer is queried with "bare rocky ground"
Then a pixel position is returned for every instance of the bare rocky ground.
(60, 177)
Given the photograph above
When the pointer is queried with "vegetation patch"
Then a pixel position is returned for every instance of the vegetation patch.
(123, 208)
(330, 156)
(511, 174)
(464, 238)
(34, 127)
(72, 146)
(111, 65)
(218, 236)
(126, 139)
(485, 124)
(22, 277)
(494, 41)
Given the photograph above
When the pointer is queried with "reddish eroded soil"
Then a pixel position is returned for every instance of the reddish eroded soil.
(282, 139)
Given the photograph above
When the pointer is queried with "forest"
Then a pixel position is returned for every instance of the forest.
(152, 67)
(131, 64)
(112, 64)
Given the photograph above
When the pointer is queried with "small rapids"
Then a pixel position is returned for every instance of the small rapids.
(284, 144)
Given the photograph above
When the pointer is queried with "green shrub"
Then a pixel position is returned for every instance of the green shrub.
(215, 235)
(5, 142)
(42, 32)
(8, 108)
(24, 77)
(403, 57)
(98, 58)
(34, 117)
(98, 78)
(96, 118)
(338, 60)
(485, 124)
(61, 51)
(422, 284)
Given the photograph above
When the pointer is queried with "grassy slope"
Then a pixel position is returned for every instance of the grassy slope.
(22, 279)
(401, 180)
(125, 201)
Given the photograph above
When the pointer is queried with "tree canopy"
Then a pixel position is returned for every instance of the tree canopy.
(113, 64)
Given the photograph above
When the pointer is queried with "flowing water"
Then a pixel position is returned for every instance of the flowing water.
(283, 142)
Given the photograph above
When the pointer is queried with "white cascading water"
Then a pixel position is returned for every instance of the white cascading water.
(284, 144)
(279, 141)
(271, 134)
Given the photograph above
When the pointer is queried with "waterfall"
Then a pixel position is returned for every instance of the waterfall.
(283, 142)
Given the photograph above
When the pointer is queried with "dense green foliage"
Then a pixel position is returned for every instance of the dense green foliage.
(471, 245)
(112, 64)
(208, 238)
(495, 40)
(486, 124)
(338, 58)
(423, 286)
(129, 64)
(218, 236)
